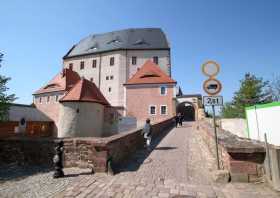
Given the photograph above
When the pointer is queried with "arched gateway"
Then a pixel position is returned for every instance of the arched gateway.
(190, 106)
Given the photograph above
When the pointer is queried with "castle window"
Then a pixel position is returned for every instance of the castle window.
(94, 63)
(48, 99)
(71, 66)
(134, 60)
(109, 89)
(152, 110)
(155, 59)
(111, 77)
(112, 61)
(163, 110)
(40, 100)
(163, 90)
(56, 98)
(82, 65)
(107, 77)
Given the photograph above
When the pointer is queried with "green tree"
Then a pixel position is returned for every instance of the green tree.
(253, 90)
(275, 88)
(5, 99)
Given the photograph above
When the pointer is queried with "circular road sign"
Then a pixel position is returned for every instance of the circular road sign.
(212, 86)
(210, 68)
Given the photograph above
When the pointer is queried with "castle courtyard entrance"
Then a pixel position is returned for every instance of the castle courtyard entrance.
(187, 110)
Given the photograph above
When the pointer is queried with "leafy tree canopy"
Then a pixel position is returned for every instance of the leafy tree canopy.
(5, 99)
(253, 90)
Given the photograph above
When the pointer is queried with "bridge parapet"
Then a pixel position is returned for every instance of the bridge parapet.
(242, 157)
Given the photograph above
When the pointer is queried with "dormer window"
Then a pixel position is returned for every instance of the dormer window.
(94, 47)
(141, 42)
(115, 40)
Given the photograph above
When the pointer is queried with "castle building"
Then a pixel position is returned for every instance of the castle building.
(110, 59)
(106, 80)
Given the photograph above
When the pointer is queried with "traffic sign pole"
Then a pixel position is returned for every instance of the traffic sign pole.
(216, 137)
(212, 87)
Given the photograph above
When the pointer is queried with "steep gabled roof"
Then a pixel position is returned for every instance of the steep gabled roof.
(150, 73)
(61, 82)
(134, 38)
(85, 91)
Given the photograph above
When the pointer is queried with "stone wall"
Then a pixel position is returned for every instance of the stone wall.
(242, 157)
(81, 152)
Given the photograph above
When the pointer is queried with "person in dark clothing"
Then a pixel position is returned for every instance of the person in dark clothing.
(177, 117)
(181, 118)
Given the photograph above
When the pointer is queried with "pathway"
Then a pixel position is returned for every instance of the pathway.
(178, 166)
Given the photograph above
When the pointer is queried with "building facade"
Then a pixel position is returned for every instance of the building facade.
(150, 93)
(110, 59)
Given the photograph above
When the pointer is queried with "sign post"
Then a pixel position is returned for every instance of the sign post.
(212, 87)
(216, 137)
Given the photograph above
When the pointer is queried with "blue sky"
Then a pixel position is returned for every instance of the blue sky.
(241, 35)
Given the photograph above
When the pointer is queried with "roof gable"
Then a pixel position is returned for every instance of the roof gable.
(61, 82)
(150, 73)
(85, 91)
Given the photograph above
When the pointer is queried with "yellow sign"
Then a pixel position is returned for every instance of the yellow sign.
(210, 68)
(212, 86)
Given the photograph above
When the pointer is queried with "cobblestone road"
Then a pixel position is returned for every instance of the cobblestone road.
(178, 166)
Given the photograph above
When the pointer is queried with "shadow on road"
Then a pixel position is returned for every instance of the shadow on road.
(138, 158)
(165, 148)
(20, 172)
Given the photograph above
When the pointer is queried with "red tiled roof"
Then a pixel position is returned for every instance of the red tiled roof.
(149, 73)
(85, 91)
(61, 82)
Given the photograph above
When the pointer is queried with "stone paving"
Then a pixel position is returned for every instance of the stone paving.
(178, 166)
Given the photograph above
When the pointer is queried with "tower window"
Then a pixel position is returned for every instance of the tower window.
(56, 98)
(163, 90)
(111, 77)
(40, 100)
(155, 59)
(107, 77)
(152, 110)
(112, 61)
(82, 65)
(48, 99)
(94, 63)
(134, 60)
(163, 109)
(109, 89)
(71, 66)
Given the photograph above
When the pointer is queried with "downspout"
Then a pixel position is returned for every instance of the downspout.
(126, 79)
(99, 74)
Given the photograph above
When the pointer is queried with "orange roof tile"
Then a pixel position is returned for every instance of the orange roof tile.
(149, 73)
(61, 82)
(85, 91)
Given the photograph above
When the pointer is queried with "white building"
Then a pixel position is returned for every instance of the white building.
(110, 59)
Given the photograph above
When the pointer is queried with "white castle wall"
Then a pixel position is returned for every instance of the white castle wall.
(80, 119)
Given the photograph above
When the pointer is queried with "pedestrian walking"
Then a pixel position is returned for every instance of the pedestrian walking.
(147, 132)
(177, 117)
(181, 117)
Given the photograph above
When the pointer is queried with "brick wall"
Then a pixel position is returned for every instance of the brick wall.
(241, 157)
(140, 97)
(80, 152)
